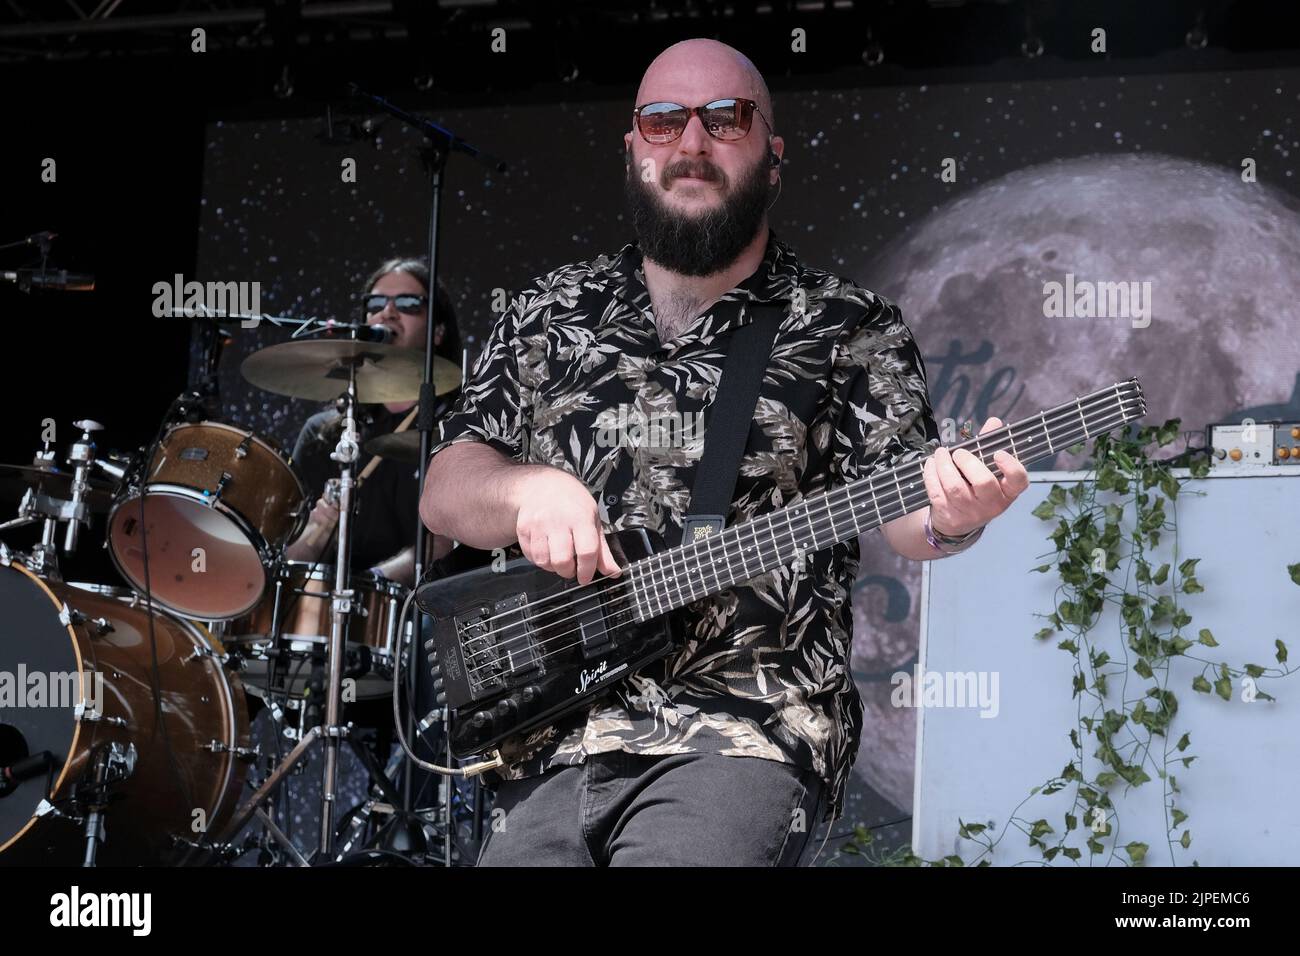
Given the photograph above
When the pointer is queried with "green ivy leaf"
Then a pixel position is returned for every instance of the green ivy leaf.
(1223, 687)
(1071, 852)
(1281, 652)
(1207, 638)
(1294, 571)
(1161, 574)
(1137, 851)
(1186, 841)
(1201, 684)
(1179, 817)
(1254, 670)
(1184, 742)
(1046, 510)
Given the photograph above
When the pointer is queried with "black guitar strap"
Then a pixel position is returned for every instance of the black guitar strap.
(730, 417)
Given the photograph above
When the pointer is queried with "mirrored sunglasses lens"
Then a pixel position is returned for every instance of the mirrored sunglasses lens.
(662, 121)
(726, 119)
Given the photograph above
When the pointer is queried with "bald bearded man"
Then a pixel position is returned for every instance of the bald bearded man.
(730, 750)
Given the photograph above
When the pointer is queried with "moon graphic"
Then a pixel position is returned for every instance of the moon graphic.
(1221, 258)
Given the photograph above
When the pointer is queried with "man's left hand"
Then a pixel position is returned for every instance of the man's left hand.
(964, 493)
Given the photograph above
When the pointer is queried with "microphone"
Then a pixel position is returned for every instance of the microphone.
(382, 334)
(377, 333)
(53, 280)
(24, 769)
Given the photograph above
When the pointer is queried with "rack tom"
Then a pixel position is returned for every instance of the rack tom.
(215, 505)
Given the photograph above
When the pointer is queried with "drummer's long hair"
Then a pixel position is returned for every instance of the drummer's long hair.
(443, 313)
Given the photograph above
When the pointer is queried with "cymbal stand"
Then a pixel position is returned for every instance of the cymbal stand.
(329, 732)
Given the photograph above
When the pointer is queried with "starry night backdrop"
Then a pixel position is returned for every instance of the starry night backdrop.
(1135, 178)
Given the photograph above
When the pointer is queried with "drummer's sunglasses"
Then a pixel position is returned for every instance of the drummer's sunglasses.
(408, 304)
(726, 119)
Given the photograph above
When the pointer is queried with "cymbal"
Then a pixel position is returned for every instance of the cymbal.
(16, 479)
(398, 446)
(317, 369)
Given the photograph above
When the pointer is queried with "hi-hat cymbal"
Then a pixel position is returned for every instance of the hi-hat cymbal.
(317, 369)
(16, 479)
(398, 446)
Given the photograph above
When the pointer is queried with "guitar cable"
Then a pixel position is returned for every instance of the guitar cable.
(466, 771)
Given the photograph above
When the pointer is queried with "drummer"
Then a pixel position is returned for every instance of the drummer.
(395, 295)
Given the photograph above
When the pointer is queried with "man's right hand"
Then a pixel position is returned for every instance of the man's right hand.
(558, 525)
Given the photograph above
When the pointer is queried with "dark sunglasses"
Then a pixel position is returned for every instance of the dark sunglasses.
(726, 119)
(406, 303)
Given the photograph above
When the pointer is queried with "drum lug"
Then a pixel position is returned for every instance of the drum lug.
(241, 450)
(46, 809)
(242, 753)
(83, 712)
(201, 651)
(6, 556)
(68, 615)
(221, 486)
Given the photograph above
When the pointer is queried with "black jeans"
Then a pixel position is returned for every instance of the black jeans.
(622, 809)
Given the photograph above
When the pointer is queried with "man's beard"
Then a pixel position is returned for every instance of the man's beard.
(697, 244)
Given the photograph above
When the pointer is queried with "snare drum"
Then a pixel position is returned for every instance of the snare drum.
(219, 504)
(298, 606)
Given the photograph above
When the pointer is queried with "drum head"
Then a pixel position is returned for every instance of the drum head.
(40, 686)
(202, 563)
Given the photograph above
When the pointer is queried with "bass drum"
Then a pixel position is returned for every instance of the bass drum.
(79, 709)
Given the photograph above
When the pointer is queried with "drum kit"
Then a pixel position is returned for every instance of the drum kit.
(125, 711)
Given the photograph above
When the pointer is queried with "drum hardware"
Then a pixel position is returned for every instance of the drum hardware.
(330, 732)
(114, 764)
(81, 457)
(243, 753)
(89, 714)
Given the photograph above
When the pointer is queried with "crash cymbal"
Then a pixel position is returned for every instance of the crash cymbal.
(399, 446)
(317, 369)
(53, 483)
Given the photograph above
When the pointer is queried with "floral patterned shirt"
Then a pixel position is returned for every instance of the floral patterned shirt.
(574, 376)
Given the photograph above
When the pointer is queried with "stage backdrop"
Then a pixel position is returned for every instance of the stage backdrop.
(963, 203)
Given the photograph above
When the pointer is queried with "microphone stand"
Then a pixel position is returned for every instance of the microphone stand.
(441, 143)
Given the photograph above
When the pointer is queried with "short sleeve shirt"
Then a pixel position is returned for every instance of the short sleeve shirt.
(574, 375)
